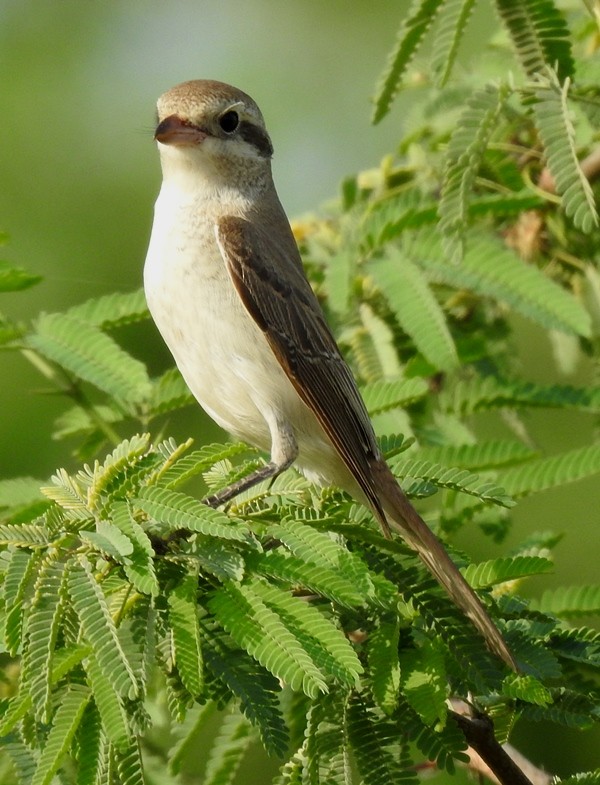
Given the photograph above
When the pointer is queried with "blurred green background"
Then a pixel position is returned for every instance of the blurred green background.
(79, 175)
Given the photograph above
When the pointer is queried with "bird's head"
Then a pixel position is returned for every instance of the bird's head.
(211, 129)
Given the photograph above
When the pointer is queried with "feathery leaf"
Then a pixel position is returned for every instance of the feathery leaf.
(450, 30)
(414, 26)
(92, 356)
(261, 632)
(381, 396)
(416, 309)
(567, 601)
(466, 149)
(539, 34)
(112, 310)
(183, 615)
(65, 723)
(495, 571)
(556, 129)
(179, 511)
(99, 628)
(543, 473)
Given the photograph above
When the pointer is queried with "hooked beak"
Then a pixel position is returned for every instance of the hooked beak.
(174, 130)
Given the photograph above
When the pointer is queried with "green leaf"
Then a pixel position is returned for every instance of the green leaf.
(316, 578)
(414, 25)
(544, 473)
(91, 355)
(183, 615)
(14, 279)
(327, 645)
(495, 571)
(381, 396)
(122, 459)
(227, 751)
(384, 666)
(76, 422)
(20, 491)
(526, 688)
(539, 34)
(370, 740)
(42, 632)
(66, 722)
(492, 270)
(170, 392)
(199, 461)
(567, 601)
(416, 309)
(90, 745)
(261, 632)
(129, 765)
(492, 393)
(373, 346)
(108, 702)
(187, 734)
(456, 479)
(256, 688)
(568, 708)
(443, 745)
(481, 455)
(450, 30)
(583, 778)
(109, 540)
(554, 123)
(320, 549)
(19, 575)
(99, 628)
(424, 682)
(112, 310)
(215, 557)
(28, 535)
(68, 493)
(466, 149)
(179, 511)
(139, 567)
(22, 758)
(394, 213)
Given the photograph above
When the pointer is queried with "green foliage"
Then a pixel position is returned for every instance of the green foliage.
(107, 615)
(417, 310)
(464, 158)
(414, 26)
(570, 601)
(556, 129)
(13, 279)
(131, 610)
(539, 34)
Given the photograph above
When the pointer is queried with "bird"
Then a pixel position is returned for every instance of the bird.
(225, 286)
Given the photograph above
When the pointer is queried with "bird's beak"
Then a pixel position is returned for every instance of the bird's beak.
(174, 130)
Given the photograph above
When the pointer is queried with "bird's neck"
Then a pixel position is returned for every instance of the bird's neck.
(205, 178)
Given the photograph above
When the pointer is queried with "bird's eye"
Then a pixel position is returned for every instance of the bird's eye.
(229, 121)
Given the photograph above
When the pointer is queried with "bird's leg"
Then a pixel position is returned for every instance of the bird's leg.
(284, 450)
(270, 471)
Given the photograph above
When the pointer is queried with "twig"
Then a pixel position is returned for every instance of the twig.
(501, 764)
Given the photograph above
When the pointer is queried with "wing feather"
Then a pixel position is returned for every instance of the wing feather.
(271, 283)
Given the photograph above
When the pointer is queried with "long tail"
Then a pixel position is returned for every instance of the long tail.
(403, 518)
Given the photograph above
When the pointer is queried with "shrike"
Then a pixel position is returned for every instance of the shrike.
(225, 285)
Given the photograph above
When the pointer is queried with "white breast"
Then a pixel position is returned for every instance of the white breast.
(219, 349)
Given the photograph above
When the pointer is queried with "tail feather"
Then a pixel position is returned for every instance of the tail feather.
(403, 518)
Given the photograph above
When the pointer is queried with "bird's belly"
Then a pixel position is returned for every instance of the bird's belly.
(220, 351)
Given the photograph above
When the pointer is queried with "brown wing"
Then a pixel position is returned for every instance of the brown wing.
(271, 283)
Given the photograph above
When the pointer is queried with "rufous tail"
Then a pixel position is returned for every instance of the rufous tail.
(403, 518)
